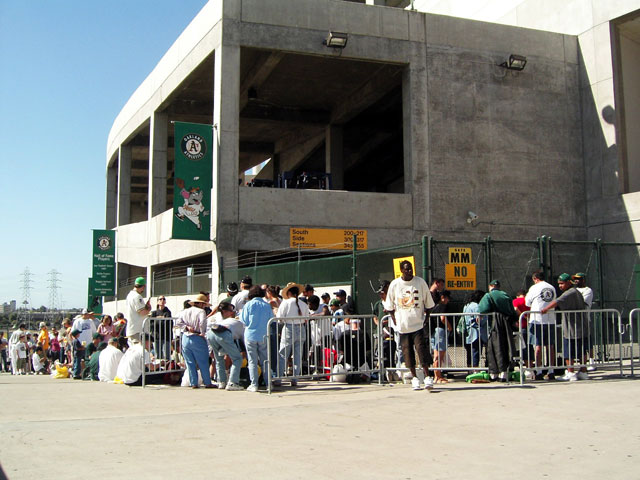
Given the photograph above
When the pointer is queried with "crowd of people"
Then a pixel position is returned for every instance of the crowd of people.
(224, 345)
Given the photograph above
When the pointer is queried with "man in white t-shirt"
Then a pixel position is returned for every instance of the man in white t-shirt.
(130, 366)
(542, 326)
(580, 281)
(137, 309)
(86, 325)
(241, 298)
(109, 361)
(407, 300)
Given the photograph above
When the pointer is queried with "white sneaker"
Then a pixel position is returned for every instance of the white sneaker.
(529, 375)
(569, 377)
(407, 377)
(428, 383)
(415, 383)
(222, 385)
(583, 376)
(252, 388)
(233, 387)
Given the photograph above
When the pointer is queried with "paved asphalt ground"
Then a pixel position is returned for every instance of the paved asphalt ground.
(73, 429)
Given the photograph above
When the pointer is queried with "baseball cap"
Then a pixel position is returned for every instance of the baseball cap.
(495, 283)
(97, 335)
(340, 293)
(232, 287)
(564, 277)
(579, 275)
(140, 281)
(335, 302)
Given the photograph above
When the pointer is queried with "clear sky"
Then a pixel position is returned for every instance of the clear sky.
(68, 67)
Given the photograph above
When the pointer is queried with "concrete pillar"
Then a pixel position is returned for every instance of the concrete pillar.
(122, 273)
(158, 133)
(112, 197)
(334, 156)
(415, 132)
(124, 185)
(226, 134)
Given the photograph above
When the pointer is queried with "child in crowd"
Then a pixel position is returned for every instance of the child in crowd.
(40, 364)
(21, 347)
(78, 354)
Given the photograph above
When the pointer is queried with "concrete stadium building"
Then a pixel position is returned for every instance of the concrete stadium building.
(414, 123)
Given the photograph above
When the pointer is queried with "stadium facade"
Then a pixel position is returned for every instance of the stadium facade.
(411, 126)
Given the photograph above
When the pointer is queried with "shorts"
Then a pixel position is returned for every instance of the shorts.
(573, 348)
(542, 335)
(439, 340)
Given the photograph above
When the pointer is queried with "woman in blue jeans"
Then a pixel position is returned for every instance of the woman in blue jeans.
(222, 336)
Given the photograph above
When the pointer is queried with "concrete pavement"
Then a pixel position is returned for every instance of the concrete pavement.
(73, 429)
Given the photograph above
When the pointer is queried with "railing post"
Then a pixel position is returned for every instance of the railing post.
(425, 260)
(488, 261)
(600, 272)
(354, 270)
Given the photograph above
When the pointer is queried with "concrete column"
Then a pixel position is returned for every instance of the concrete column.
(124, 185)
(334, 156)
(415, 131)
(158, 163)
(122, 273)
(226, 134)
(112, 197)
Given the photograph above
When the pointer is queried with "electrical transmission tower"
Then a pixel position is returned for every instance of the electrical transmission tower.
(53, 293)
(25, 312)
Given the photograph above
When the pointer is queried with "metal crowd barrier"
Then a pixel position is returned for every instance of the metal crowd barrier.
(634, 332)
(593, 338)
(459, 346)
(310, 348)
(165, 348)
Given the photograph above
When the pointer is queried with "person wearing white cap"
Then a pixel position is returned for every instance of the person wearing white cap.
(85, 324)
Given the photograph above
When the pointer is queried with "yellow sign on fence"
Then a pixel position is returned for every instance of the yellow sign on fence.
(396, 265)
(460, 255)
(329, 238)
(460, 276)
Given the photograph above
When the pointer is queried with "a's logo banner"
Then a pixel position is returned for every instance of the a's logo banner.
(192, 187)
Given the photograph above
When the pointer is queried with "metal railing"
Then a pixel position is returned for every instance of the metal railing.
(581, 339)
(165, 348)
(634, 337)
(312, 347)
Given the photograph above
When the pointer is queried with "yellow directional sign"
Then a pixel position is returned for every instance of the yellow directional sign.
(460, 276)
(329, 238)
(460, 255)
(396, 265)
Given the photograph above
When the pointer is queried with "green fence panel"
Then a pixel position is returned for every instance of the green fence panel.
(376, 265)
(513, 262)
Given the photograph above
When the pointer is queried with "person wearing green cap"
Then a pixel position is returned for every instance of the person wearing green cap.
(138, 309)
(573, 326)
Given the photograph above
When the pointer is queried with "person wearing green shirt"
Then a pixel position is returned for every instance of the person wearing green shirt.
(500, 349)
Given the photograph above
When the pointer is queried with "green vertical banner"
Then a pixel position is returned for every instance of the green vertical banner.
(104, 263)
(193, 173)
(94, 303)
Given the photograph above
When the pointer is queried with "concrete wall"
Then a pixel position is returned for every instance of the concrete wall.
(590, 21)
(501, 142)
(149, 243)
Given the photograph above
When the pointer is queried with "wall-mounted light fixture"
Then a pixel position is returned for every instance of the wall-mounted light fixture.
(515, 62)
(336, 40)
(472, 217)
